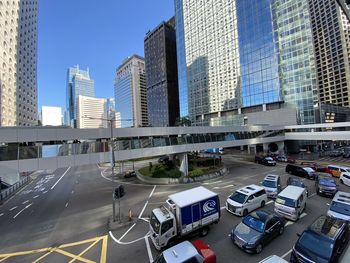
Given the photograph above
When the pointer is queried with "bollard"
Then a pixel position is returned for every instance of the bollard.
(130, 215)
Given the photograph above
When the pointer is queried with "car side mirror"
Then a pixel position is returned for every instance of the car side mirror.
(298, 234)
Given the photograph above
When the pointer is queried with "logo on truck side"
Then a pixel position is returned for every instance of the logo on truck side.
(209, 206)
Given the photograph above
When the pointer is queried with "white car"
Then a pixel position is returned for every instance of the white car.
(246, 199)
(345, 178)
(273, 259)
(340, 206)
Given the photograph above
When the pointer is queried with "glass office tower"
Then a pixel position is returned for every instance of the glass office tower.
(78, 83)
(258, 53)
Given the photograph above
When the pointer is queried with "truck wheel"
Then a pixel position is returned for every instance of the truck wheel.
(262, 203)
(204, 231)
(280, 232)
(341, 181)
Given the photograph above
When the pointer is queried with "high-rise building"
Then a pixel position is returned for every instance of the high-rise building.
(18, 62)
(78, 83)
(51, 116)
(161, 69)
(208, 58)
(95, 112)
(130, 92)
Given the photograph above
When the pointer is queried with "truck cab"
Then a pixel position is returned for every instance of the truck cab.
(162, 226)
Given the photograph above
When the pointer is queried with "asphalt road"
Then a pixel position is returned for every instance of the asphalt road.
(69, 210)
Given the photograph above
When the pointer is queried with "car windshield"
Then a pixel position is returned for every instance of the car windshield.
(327, 182)
(297, 183)
(254, 223)
(268, 159)
(155, 223)
(317, 245)
(271, 184)
(308, 169)
(340, 208)
(238, 197)
(286, 201)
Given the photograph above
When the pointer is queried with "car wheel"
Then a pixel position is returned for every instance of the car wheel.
(262, 203)
(204, 231)
(258, 249)
(245, 212)
(341, 181)
(280, 232)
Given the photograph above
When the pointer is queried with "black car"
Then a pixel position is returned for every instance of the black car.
(326, 185)
(297, 182)
(163, 159)
(305, 172)
(323, 241)
(256, 230)
(268, 160)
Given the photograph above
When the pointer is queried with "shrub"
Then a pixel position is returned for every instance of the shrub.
(159, 170)
(195, 173)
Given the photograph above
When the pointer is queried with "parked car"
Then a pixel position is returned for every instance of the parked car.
(340, 206)
(345, 178)
(305, 172)
(246, 199)
(325, 185)
(273, 259)
(163, 159)
(257, 230)
(130, 174)
(337, 170)
(336, 153)
(291, 202)
(346, 154)
(320, 168)
(197, 251)
(272, 185)
(298, 182)
(323, 241)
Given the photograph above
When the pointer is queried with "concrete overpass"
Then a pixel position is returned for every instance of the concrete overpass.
(30, 149)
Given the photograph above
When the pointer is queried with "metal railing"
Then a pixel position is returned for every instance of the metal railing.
(5, 194)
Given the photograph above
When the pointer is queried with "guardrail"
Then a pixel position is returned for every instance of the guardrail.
(7, 193)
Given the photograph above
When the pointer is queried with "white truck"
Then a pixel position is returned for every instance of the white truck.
(182, 214)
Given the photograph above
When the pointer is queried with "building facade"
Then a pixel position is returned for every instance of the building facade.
(161, 69)
(18, 63)
(130, 92)
(208, 58)
(51, 116)
(282, 54)
(78, 83)
(95, 112)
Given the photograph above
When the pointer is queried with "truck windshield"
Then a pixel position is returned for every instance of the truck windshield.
(238, 197)
(286, 201)
(155, 223)
(340, 208)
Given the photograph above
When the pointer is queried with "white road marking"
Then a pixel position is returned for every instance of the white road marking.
(60, 178)
(312, 195)
(25, 202)
(72, 191)
(45, 192)
(1, 214)
(269, 202)
(126, 243)
(154, 188)
(66, 204)
(286, 254)
(150, 256)
(36, 196)
(144, 207)
(303, 215)
(223, 207)
(223, 187)
(127, 231)
(13, 208)
(328, 204)
(212, 182)
(145, 219)
(22, 210)
(292, 222)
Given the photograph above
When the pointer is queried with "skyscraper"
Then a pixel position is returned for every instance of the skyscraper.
(78, 83)
(161, 69)
(208, 58)
(18, 63)
(130, 92)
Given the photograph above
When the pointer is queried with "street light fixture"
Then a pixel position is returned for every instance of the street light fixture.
(113, 163)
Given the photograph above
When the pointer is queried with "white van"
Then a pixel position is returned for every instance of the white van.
(340, 206)
(246, 199)
(291, 202)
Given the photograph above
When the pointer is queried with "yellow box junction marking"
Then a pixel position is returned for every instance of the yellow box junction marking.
(60, 250)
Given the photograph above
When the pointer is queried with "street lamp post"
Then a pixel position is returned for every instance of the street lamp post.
(113, 165)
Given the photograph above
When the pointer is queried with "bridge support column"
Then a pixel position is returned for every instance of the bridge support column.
(251, 148)
(183, 163)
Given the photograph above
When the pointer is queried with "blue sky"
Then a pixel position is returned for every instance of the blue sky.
(94, 34)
